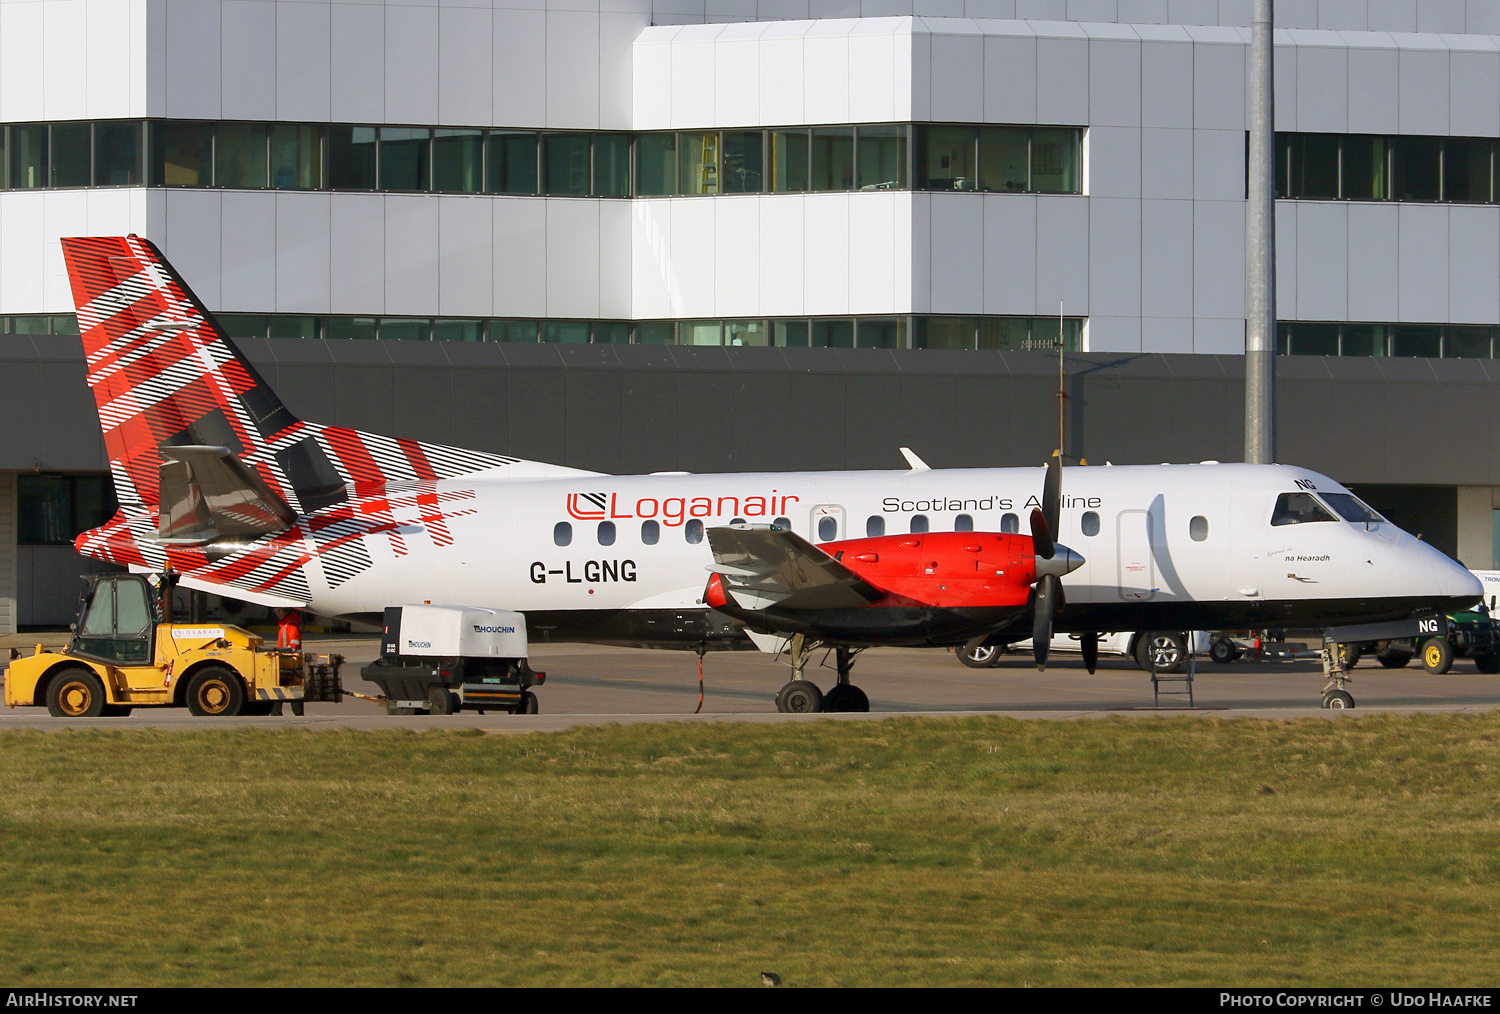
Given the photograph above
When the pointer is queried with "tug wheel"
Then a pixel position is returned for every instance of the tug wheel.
(1437, 656)
(76, 693)
(215, 691)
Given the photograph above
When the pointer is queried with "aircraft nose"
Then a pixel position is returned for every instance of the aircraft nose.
(1064, 561)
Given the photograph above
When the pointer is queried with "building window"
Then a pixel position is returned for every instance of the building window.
(1446, 341)
(28, 157)
(790, 161)
(240, 155)
(881, 158)
(656, 165)
(1367, 167)
(832, 158)
(296, 157)
(612, 165)
(458, 161)
(182, 154)
(53, 510)
(458, 331)
(404, 155)
(565, 164)
(512, 162)
(72, 157)
(351, 158)
(744, 161)
(698, 162)
(513, 330)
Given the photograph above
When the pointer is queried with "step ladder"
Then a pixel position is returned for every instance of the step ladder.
(1184, 679)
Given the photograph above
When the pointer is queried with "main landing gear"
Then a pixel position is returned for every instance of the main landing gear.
(802, 696)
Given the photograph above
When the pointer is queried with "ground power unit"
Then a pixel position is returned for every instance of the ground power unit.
(443, 659)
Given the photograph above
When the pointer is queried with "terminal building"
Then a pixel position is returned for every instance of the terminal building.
(808, 231)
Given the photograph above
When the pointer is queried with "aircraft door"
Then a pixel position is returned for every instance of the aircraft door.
(827, 523)
(1137, 565)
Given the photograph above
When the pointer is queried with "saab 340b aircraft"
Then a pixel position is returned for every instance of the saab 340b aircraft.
(217, 479)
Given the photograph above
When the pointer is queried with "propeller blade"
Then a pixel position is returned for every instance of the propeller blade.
(1052, 495)
(1041, 536)
(1048, 591)
(1089, 641)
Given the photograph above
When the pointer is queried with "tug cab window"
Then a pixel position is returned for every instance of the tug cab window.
(1352, 508)
(1298, 509)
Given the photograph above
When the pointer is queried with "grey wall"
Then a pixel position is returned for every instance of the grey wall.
(651, 408)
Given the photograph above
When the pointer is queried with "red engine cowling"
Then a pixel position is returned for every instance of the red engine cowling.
(947, 569)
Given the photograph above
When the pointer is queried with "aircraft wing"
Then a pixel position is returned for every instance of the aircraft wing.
(763, 566)
(207, 493)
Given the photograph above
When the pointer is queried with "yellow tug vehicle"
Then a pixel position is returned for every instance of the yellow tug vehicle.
(128, 653)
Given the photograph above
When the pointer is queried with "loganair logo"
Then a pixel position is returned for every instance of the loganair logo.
(493, 630)
(675, 510)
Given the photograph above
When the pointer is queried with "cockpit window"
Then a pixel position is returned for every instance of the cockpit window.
(1298, 509)
(1352, 508)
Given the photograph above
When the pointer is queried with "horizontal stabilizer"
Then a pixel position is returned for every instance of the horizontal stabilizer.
(764, 565)
(207, 493)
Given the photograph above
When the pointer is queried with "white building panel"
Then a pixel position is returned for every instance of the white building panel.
(247, 251)
(782, 74)
(736, 75)
(23, 252)
(572, 69)
(1114, 161)
(1374, 77)
(879, 82)
(1424, 85)
(1062, 72)
(192, 240)
(737, 258)
(1062, 254)
(1114, 83)
(247, 39)
(1373, 287)
(1219, 260)
(1473, 265)
(617, 31)
(783, 254)
(1167, 258)
(615, 238)
(1322, 83)
(573, 256)
(957, 239)
(879, 225)
(958, 76)
(1115, 257)
(1392, 15)
(1009, 253)
(825, 71)
(466, 38)
(1286, 254)
(1010, 75)
(303, 254)
(693, 73)
(65, 87)
(1166, 162)
(64, 214)
(466, 261)
(1167, 334)
(1167, 83)
(357, 65)
(1218, 79)
(192, 54)
(1285, 81)
(303, 61)
(826, 221)
(1113, 334)
(114, 55)
(1223, 336)
(357, 281)
(519, 98)
(1474, 91)
(1440, 16)
(692, 246)
(1422, 263)
(412, 248)
(1322, 261)
(520, 257)
(651, 258)
(411, 59)
(1219, 165)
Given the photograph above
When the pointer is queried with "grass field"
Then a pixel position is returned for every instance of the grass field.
(976, 851)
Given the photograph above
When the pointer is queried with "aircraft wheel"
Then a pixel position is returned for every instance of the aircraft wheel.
(442, 701)
(1437, 656)
(1165, 647)
(1349, 655)
(1394, 659)
(1338, 700)
(846, 698)
(215, 691)
(799, 697)
(985, 656)
(1223, 651)
(76, 693)
(529, 704)
(1488, 664)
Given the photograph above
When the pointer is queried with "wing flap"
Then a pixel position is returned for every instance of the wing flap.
(763, 565)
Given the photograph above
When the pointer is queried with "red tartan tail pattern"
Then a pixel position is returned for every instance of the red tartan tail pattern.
(163, 372)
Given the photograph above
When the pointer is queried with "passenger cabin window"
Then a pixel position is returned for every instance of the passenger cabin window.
(606, 533)
(693, 531)
(1298, 509)
(874, 526)
(918, 524)
(1010, 524)
(783, 523)
(562, 533)
(1198, 528)
(1352, 508)
(828, 530)
(737, 521)
(650, 532)
(1089, 523)
(963, 523)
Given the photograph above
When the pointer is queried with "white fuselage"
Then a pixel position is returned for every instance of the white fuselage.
(585, 543)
